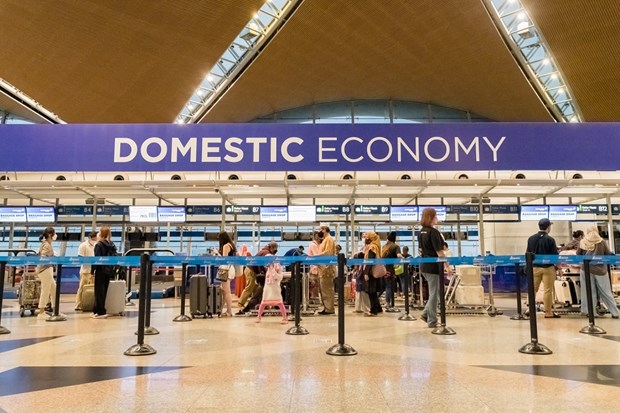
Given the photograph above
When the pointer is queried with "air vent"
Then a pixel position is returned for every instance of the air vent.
(463, 176)
(61, 178)
(233, 177)
(519, 176)
(176, 178)
(291, 177)
(405, 177)
(119, 178)
(347, 176)
(577, 176)
(4, 178)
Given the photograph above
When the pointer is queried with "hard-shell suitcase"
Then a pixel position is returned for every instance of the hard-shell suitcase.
(198, 295)
(214, 300)
(565, 292)
(115, 298)
(88, 297)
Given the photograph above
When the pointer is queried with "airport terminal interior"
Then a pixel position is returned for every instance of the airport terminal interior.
(458, 77)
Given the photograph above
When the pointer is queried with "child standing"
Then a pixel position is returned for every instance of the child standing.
(272, 292)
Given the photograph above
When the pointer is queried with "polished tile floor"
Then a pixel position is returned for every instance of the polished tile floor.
(236, 365)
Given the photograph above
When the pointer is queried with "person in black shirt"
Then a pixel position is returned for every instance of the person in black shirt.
(430, 242)
(542, 243)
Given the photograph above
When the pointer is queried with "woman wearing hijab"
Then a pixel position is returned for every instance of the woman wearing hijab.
(373, 286)
(593, 244)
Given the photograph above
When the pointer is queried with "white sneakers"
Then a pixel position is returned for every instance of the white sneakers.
(42, 316)
(98, 316)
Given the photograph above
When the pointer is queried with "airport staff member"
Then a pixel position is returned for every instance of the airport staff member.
(542, 243)
(327, 272)
(86, 249)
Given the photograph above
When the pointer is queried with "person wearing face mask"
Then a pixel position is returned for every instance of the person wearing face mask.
(46, 272)
(373, 286)
(86, 249)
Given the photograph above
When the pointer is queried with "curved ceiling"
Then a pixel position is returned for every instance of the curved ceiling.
(116, 61)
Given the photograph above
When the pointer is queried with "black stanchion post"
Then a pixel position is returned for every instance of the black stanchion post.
(57, 315)
(406, 280)
(297, 330)
(148, 329)
(533, 347)
(141, 349)
(182, 316)
(519, 315)
(3, 330)
(591, 328)
(441, 329)
(129, 292)
(341, 349)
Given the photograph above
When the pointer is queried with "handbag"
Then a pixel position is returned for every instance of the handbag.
(399, 269)
(222, 273)
(378, 271)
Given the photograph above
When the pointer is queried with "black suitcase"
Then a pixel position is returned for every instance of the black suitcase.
(198, 295)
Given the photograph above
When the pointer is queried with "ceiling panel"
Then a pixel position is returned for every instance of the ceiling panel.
(115, 60)
(447, 53)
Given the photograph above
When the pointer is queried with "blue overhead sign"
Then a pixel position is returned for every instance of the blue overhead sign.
(305, 147)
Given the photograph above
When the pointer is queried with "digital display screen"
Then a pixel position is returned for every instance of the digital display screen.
(12, 214)
(441, 211)
(305, 213)
(40, 214)
(171, 214)
(273, 214)
(404, 213)
(563, 212)
(142, 213)
(534, 212)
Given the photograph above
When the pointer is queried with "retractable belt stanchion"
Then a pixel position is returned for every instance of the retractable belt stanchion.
(341, 349)
(182, 316)
(148, 330)
(56, 316)
(591, 328)
(441, 329)
(3, 330)
(406, 280)
(297, 330)
(141, 349)
(533, 347)
(519, 315)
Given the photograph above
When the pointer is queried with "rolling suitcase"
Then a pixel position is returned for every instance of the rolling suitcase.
(214, 301)
(88, 298)
(563, 292)
(29, 293)
(198, 295)
(115, 298)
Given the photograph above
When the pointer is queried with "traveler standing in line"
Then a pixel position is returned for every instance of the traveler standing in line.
(103, 273)
(314, 249)
(327, 273)
(46, 272)
(390, 250)
(227, 249)
(373, 286)
(541, 243)
(250, 286)
(574, 244)
(593, 244)
(430, 242)
(86, 249)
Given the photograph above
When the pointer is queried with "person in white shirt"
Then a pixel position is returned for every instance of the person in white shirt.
(86, 249)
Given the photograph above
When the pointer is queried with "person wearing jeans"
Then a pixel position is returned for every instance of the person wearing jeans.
(430, 243)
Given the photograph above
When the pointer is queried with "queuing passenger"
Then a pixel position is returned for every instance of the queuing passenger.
(390, 250)
(314, 249)
(338, 249)
(430, 243)
(373, 286)
(227, 249)
(295, 252)
(86, 249)
(46, 272)
(327, 273)
(362, 301)
(103, 273)
(574, 244)
(593, 244)
(250, 286)
(542, 243)
(272, 292)
(259, 271)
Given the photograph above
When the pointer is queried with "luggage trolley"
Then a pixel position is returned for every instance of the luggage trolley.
(29, 289)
